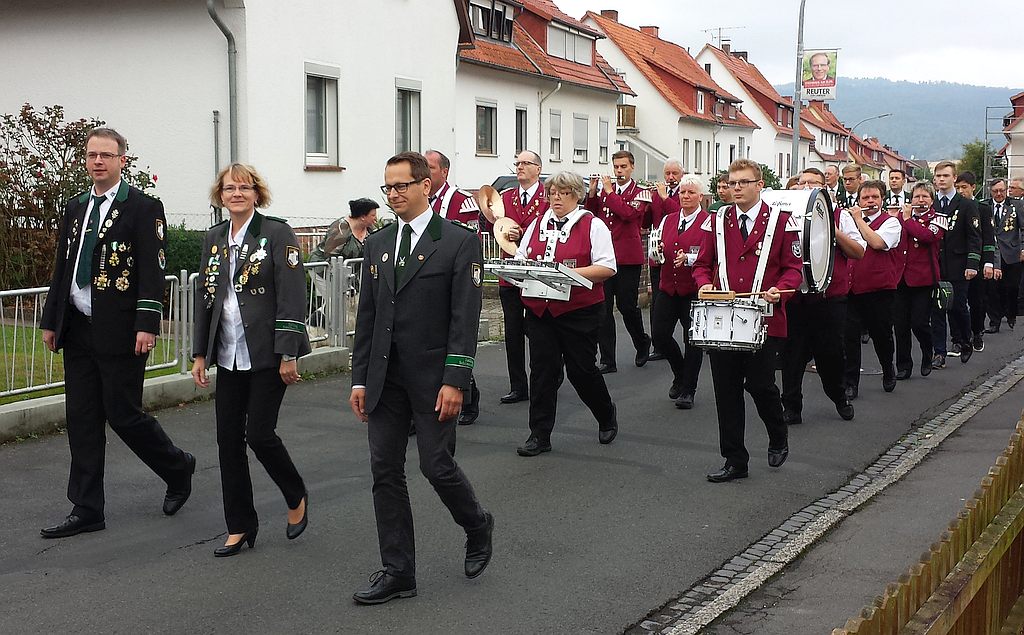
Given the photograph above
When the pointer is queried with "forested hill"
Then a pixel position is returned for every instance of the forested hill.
(930, 120)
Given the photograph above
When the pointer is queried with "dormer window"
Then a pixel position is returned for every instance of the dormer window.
(570, 44)
(491, 19)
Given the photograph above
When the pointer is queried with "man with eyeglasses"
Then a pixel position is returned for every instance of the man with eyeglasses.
(1008, 225)
(743, 227)
(412, 361)
(621, 205)
(103, 309)
(847, 197)
(816, 321)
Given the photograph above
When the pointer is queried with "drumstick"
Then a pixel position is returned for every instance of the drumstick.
(747, 295)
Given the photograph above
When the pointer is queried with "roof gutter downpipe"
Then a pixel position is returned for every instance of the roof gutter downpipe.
(232, 80)
(540, 113)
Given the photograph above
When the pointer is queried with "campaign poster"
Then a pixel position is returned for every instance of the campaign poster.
(819, 74)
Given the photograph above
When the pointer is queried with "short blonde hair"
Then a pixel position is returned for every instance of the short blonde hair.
(567, 181)
(241, 173)
(746, 164)
(690, 179)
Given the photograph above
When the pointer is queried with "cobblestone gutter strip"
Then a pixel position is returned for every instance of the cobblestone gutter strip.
(726, 587)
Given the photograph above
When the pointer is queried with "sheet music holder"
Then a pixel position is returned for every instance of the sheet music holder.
(539, 278)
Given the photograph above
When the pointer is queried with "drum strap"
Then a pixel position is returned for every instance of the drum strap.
(762, 260)
(723, 269)
(769, 238)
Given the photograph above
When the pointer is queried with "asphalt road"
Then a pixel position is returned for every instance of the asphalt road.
(588, 538)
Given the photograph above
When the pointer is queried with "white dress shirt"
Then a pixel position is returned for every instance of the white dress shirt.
(848, 226)
(890, 231)
(419, 225)
(601, 250)
(81, 297)
(232, 351)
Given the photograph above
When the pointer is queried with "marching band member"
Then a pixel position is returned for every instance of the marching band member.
(567, 331)
(680, 239)
(923, 230)
(622, 207)
(666, 202)
(847, 197)
(965, 183)
(744, 234)
(724, 191)
(872, 287)
(523, 204)
(897, 198)
(1008, 217)
(816, 321)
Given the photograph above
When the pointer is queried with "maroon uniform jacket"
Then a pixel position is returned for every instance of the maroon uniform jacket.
(922, 234)
(675, 280)
(784, 270)
(514, 210)
(623, 215)
(451, 207)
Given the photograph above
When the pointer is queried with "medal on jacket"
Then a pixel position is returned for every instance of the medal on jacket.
(211, 273)
(244, 276)
(101, 281)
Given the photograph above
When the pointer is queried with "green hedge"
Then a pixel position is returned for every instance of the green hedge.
(183, 249)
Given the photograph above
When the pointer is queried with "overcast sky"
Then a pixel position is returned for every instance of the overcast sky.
(940, 40)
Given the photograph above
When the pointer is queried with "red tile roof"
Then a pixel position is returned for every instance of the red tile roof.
(823, 119)
(548, 10)
(672, 71)
(841, 157)
(751, 78)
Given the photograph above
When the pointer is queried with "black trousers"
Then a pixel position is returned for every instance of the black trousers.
(108, 388)
(815, 332)
(247, 406)
(1003, 294)
(874, 311)
(732, 371)
(912, 313)
(569, 339)
(388, 434)
(959, 317)
(670, 310)
(514, 312)
(620, 290)
(656, 294)
(976, 303)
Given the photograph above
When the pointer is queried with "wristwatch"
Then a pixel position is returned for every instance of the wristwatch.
(288, 358)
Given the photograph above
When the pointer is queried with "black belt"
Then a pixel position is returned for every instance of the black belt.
(75, 313)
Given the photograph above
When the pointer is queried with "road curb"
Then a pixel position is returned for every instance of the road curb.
(44, 415)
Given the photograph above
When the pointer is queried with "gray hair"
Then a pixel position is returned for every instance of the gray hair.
(675, 162)
(690, 179)
(567, 181)
(927, 187)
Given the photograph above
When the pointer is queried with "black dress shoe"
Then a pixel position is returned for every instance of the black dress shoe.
(777, 457)
(903, 374)
(966, 350)
(294, 531)
(685, 402)
(607, 435)
(791, 418)
(478, 548)
(851, 393)
(644, 352)
(71, 526)
(385, 586)
(607, 368)
(175, 498)
(889, 383)
(655, 357)
(727, 473)
(675, 391)
(248, 537)
(514, 396)
(845, 410)
(926, 368)
(533, 447)
(468, 418)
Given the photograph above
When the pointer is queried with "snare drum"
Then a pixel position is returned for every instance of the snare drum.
(812, 218)
(729, 325)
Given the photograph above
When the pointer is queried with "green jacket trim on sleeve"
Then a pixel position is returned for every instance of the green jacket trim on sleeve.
(150, 305)
(290, 325)
(460, 361)
(973, 256)
(989, 248)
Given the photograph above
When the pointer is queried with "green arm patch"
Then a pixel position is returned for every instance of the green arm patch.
(150, 305)
(289, 325)
(460, 361)
(989, 248)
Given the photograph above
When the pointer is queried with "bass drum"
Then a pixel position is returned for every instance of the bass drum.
(811, 216)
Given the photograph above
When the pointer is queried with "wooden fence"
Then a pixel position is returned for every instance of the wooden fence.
(971, 580)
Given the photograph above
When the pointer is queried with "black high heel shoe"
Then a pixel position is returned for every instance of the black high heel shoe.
(294, 531)
(230, 550)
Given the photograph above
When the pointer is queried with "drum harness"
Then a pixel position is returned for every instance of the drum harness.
(762, 259)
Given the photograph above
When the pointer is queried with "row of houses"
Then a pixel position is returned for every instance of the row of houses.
(318, 94)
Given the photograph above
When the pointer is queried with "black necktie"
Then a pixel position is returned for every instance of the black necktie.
(559, 224)
(526, 199)
(84, 274)
(403, 253)
(999, 212)
(682, 223)
(944, 205)
(743, 227)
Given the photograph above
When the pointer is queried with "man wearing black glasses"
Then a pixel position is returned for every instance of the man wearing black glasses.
(104, 309)
(414, 352)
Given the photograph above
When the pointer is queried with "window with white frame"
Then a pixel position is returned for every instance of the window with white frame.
(570, 44)
(491, 19)
(732, 152)
(602, 133)
(407, 115)
(555, 133)
(486, 128)
(700, 102)
(778, 115)
(321, 114)
(521, 119)
(686, 155)
(698, 156)
(580, 138)
(742, 141)
(778, 168)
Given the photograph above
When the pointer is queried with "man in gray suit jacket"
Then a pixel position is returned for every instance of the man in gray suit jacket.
(419, 308)
(1008, 221)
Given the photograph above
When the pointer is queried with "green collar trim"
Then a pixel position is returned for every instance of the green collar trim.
(434, 226)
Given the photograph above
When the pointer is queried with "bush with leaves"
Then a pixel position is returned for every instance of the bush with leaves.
(42, 165)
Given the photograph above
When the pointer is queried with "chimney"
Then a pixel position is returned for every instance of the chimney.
(741, 55)
(611, 14)
(649, 30)
(726, 46)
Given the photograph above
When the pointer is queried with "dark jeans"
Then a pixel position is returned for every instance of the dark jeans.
(669, 311)
(1003, 294)
(570, 338)
(247, 406)
(388, 434)
(620, 290)
(912, 313)
(732, 371)
(815, 332)
(514, 312)
(874, 311)
(108, 388)
(959, 320)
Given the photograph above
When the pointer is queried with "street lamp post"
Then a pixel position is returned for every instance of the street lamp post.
(888, 114)
(794, 163)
